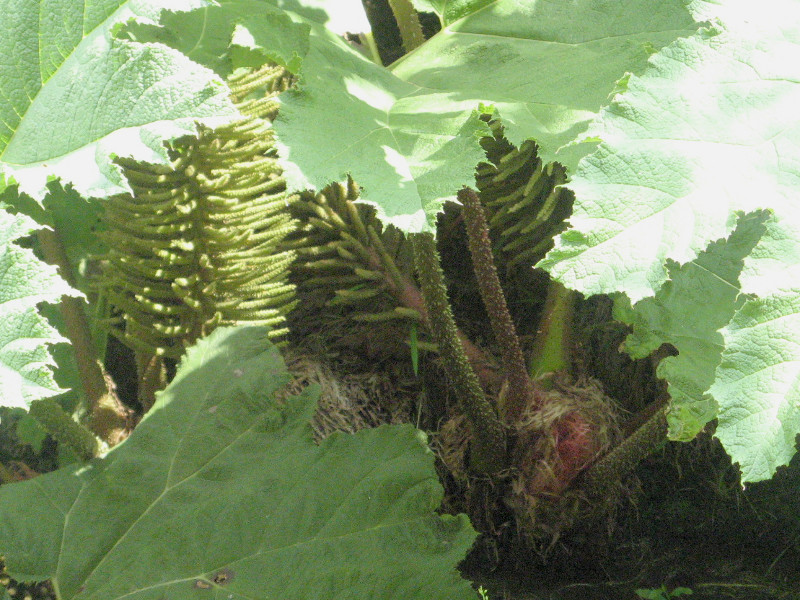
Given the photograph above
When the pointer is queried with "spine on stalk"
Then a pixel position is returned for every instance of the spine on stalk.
(488, 454)
(520, 391)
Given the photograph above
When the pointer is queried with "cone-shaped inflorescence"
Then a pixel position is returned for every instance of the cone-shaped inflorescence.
(345, 255)
(347, 258)
(524, 204)
(195, 246)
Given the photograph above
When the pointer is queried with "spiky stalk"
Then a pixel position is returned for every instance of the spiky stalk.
(624, 457)
(488, 455)
(520, 391)
(342, 245)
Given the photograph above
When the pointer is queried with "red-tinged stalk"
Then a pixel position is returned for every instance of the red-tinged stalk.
(108, 418)
(573, 436)
(520, 391)
(408, 294)
(488, 455)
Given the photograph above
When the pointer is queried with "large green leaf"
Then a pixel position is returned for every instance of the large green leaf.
(548, 67)
(211, 35)
(220, 492)
(72, 97)
(25, 364)
(758, 384)
(409, 148)
(708, 131)
(410, 135)
(758, 381)
(687, 312)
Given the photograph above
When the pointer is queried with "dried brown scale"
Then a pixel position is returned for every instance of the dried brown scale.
(351, 396)
(544, 497)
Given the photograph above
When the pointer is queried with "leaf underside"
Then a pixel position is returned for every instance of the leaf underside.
(25, 363)
(410, 135)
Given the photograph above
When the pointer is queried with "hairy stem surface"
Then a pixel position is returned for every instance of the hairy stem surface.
(488, 454)
(624, 458)
(520, 388)
(108, 417)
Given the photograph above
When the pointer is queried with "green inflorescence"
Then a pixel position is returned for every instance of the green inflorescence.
(196, 245)
(525, 204)
(346, 256)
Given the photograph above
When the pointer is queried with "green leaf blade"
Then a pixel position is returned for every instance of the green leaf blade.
(688, 311)
(548, 68)
(340, 16)
(212, 35)
(450, 10)
(757, 380)
(74, 97)
(410, 136)
(708, 132)
(220, 490)
(409, 150)
(758, 385)
(25, 363)
(674, 167)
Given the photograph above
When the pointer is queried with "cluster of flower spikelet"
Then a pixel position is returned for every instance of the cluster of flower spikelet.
(346, 254)
(209, 239)
(524, 202)
(196, 245)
